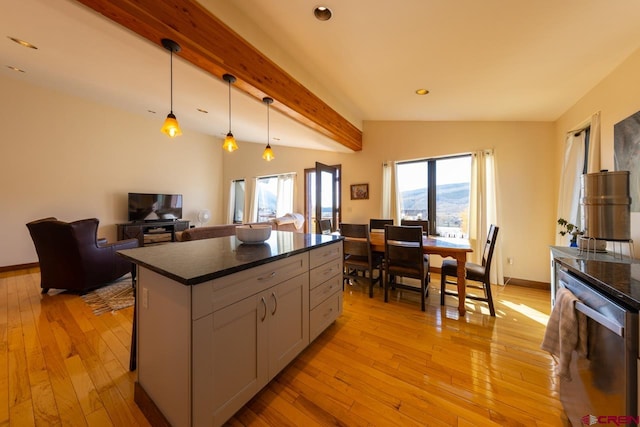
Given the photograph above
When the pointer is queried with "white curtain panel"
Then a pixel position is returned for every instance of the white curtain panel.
(593, 164)
(232, 198)
(569, 192)
(251, 214)
(483, 207)
(572, 167)
(285, 195)
(390, 198)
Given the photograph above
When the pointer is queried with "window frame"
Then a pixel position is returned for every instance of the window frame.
(431, 186)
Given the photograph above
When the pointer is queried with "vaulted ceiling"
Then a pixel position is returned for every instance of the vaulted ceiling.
(481, 61)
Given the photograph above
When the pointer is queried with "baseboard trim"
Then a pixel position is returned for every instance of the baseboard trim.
(148, 407)
(512, 281)
(527, 283)
(19, 267)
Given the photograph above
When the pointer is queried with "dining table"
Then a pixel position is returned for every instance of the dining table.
(456, 248)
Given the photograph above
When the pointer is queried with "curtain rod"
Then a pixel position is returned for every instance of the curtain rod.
(584, 125)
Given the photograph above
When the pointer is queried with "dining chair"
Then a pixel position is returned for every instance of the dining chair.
(474, 272)
(325, 226)
(403, 257)
(424, 223)
(378, 224)
(358, 255)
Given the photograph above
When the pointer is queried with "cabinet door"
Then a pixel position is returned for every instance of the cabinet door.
(288, 324)
(229, 363)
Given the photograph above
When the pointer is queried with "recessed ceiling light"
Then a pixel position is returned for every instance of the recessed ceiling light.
(11, 67)
(322, 13)
(22, 42)
(422, 91)
(202, 111)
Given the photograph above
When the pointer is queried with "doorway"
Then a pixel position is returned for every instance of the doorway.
(322, 196)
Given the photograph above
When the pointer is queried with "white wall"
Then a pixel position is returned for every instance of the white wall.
(616, 97)
(70, 158)
(524, 152)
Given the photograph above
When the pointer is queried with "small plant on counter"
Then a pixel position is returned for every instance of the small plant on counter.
(568, 228)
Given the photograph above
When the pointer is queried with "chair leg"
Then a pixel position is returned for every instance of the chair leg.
(386, 286)
(487, 288)
(370, 282)
(443, 284)
(423, 295)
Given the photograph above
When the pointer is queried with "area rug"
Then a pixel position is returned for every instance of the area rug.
(114, 296)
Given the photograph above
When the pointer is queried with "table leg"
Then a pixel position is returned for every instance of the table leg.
(461, 259)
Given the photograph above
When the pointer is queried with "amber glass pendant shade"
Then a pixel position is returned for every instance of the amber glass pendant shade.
(171, 126)
(267, 154)
(230, 143)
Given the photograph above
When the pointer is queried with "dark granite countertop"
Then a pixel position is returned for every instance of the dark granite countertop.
(198, 261)
(619, 281)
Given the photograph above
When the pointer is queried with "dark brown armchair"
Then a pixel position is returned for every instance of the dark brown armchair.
(72, 257)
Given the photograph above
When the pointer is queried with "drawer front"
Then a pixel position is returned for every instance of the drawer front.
(324, 272)
(219, 293)
(320, 293)
(324, 314)
(325, 254)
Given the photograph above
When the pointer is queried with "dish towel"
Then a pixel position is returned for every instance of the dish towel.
(566, 331)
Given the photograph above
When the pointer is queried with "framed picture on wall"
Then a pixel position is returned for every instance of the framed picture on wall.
(359, 191)
(626, 154)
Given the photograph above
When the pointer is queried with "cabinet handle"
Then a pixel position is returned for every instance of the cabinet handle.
(275, 303)
(264, 304)
(271, 276)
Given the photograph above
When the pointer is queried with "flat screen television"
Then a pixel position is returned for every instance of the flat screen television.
(154, 207)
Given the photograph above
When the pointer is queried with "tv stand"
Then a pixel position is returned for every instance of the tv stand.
(151, 232)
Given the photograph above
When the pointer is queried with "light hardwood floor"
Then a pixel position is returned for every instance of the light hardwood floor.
(379, 364)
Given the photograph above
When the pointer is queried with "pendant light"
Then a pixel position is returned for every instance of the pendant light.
(171, 126)
(229, 141)
(268, 152)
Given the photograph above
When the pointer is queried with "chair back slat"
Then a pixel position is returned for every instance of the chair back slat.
(489, 246)
(356, 240)
(325, 226)
(403, 246)
(378, 224)
(424, 223)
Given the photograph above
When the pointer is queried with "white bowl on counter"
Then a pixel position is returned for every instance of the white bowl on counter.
(254, 233)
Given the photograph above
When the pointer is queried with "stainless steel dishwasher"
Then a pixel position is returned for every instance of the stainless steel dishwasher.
(605, 382)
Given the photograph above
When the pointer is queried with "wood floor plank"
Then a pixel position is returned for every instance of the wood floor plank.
(45, 410)
(378, 364)
(83, 386)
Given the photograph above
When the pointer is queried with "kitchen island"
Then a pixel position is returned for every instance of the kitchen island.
(217, 319)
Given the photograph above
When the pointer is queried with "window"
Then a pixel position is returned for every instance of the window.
(436, 189)
(274, 196)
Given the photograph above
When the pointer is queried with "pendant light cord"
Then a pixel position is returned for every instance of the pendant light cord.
(229, 105)
(171, 75)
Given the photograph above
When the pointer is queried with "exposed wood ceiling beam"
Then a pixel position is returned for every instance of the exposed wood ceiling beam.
(214, 47)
